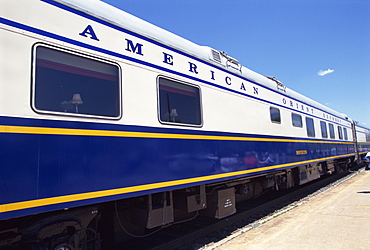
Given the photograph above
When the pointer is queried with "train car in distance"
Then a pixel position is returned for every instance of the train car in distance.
(111, 128)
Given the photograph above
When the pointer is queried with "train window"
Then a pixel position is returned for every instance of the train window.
(345, 134)
(179, 103)
(70, 84)
(340, 132)
(275, 115)
(324, 131)
(310, 127)
(297, 120)
(331, 131)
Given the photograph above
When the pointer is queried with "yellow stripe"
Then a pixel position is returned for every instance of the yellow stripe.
(363, 143)
(88, 132)
(105, 193)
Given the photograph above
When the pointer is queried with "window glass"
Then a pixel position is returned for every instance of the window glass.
(345, 134)
(340, 133)
(331, 131)
(297, 120)
(324, 131)
(310, 127)
(65, 83)
(275, 115)
(179, 103)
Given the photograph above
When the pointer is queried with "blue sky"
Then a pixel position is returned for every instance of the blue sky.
(319, 48)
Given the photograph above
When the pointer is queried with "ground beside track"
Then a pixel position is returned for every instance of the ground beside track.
(338, 218)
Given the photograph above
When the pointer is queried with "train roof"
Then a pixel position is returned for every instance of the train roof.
(127, 21)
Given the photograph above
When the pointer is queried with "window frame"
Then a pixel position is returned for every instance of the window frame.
(331, 131)
(324, 135)
(176, 81)
(82, 56)
(345, 134)
(308, 128)
(340, 132)
(271, 118)
(301, 121)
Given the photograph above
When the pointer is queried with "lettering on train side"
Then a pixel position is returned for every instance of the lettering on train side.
(135, 48)
(193, 68)
(228, 80)
(298, 106)
(138, 48)
(242, 87)
(89, 31)
(212, 75)
(331, 118)
(168, 58)
(301, 152)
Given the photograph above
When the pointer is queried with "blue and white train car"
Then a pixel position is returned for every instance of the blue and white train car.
(362, 138)
(104, 114)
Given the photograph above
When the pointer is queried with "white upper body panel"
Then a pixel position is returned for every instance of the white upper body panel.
(114, 28)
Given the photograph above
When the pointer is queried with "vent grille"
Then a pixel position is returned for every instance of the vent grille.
(216, 56)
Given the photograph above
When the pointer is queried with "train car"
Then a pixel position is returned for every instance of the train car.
(362, 138)
(111, 127)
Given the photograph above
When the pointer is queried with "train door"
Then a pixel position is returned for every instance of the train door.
(354, 134)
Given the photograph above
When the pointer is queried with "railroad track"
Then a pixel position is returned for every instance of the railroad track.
(204, 232)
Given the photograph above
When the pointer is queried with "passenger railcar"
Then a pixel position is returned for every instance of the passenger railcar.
(110, 126)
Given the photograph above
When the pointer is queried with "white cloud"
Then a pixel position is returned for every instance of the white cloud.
(325, 72)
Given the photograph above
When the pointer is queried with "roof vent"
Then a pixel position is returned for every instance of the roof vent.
(216, 56)
(279, 85)
(232, 62)
(222, 58)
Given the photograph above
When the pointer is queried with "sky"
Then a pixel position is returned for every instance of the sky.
(319, 48)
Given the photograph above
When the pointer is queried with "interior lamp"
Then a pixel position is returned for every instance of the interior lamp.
(77, 100)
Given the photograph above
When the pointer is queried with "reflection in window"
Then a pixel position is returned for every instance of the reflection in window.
(297, 120)
(310, 127)
(275, 115)
(340, 133)
(324, 131)
(179, 103)
(331, 131)
(71, 84)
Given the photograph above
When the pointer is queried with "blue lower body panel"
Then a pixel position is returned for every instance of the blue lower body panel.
(64, 162)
